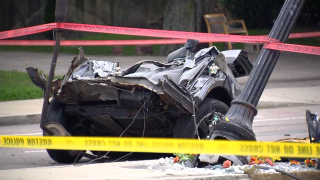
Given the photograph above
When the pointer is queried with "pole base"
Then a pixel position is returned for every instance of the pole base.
(231, 131)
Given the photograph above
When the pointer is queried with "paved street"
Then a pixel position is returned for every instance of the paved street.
(269, 125)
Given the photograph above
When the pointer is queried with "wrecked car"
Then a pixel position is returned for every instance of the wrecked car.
(148, 99)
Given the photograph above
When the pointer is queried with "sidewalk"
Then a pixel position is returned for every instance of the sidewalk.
(136, 170)
(29, 111)
(132, 169)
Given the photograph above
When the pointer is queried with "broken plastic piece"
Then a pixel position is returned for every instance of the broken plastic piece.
(313, 126)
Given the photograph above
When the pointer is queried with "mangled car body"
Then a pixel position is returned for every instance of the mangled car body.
(148, 99)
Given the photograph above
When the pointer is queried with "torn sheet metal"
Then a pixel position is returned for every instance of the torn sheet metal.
(37, 79)
(94, 69)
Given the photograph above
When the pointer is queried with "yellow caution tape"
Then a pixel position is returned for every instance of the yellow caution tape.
(164, 145)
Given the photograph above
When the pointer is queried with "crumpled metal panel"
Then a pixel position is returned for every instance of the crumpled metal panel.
(38, 80)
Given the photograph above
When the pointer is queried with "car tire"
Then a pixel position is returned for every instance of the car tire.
(184, 127)
(57, 114)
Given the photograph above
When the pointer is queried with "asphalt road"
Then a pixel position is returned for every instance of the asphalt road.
(269, 125)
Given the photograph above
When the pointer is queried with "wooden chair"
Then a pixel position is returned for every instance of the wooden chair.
(217, 23)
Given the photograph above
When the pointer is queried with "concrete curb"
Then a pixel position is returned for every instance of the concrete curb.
(35, 118)
(118, 170)
(270, 104)
(311, 175)
(20, 120)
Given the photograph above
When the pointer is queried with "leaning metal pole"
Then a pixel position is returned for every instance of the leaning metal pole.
(238, 124)
(61, 11)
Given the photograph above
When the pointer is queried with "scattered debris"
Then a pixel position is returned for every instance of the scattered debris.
(176, 159)
(170, 168)
(183, 158)
(310, 163)
(226, 164)
(294, 162)
(269, 161)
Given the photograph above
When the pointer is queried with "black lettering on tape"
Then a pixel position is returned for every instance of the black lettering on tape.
(128, 31)
(187, 35)
(127, 144)
(3, 34)
(288, 150)
(95, 143)
(26, 31)
(86, 27)
(162, 145)
(251, 148)
(17, 33)
(13, 142)
(305, 150)
(274, 149)
(38, 142)
(114, 143)
(69, 141)
(318, 150)
(45, 142)
(305, 49)
(297, 48)
(315, 50)
(142, 144)
(250, 39)
(72, 26)
(197, 146)
(283, 47)
(49, 26)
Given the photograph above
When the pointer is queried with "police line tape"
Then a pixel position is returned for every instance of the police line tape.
(137, 32)
(275, 46)
(164, 145)
(203, 37)
(92, 42)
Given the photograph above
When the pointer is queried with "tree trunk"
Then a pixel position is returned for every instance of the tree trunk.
(187, 15)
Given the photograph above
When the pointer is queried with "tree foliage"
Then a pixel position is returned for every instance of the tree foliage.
(262, 14)
(49, 16)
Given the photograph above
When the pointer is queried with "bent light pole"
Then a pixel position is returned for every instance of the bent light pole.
(243, 110)
(61, 11)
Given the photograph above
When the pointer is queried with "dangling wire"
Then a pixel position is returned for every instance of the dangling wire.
(193, 111)
(143, 106)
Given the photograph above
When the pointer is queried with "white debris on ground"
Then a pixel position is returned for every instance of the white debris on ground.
(170, 168)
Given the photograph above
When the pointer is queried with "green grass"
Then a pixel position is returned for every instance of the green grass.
(16, 85)
(129, 50)
(90, 50)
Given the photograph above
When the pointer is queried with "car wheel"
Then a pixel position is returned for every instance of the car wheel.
(56, 114)
(184, 127)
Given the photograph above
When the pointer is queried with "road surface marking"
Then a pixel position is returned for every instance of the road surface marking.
(279, 119)
(40, 151)
(28, 134)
